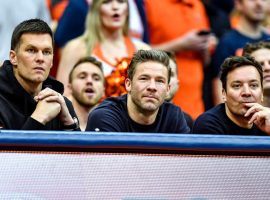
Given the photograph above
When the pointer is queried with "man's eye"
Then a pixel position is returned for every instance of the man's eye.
(236, 86)
(142, 78)
(47, 52)
(160, 81)
(96, 78)
(82, 77)
(30, 50)
(254, 86)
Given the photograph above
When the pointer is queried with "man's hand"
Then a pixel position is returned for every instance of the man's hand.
(260, 116)
(194, 42)
(46, 111)
(53, 97)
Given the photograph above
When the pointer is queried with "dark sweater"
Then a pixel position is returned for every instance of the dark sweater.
(216, 121)
(16, 105)
(112, 115)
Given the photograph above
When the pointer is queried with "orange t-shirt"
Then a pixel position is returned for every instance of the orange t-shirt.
(168, 20)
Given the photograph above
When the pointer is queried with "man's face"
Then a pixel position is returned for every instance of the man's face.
(174, 82)
(253, 10)
(33, 58)
(243, 86)
(87, 85)
(149, 86)
(263, 57)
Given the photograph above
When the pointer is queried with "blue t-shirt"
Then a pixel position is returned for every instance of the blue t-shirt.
(112, 116)
(216, 121)
(231, 44)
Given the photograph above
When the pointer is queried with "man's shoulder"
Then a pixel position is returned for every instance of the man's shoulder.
(111, 106)
(110, 115)
(171, 110)
(212, 121)
(216, 112)
(232, 37)
(113, 102)
(167, 106)
(54, 84)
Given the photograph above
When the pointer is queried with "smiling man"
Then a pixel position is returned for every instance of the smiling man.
(143, 109)
(29, 98)
(242, 91)
(86, 85)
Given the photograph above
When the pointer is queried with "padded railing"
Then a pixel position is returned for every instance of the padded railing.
(88, 141)
(132, 166)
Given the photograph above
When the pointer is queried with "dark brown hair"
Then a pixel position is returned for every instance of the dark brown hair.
(234, 62)
(142, 56)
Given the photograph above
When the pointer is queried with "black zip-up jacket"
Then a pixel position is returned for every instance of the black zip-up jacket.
(16, 105)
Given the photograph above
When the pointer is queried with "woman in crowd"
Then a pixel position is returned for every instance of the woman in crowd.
(106, 37)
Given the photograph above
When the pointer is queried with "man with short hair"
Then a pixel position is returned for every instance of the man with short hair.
(29, 98)
(248, 30)
(143, 109)
(242, 112)
(86, 83)
(261, 52)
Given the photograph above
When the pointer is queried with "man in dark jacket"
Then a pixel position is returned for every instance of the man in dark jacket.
(29, 99)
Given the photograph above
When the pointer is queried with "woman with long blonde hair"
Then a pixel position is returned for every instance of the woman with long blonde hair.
(106, 37)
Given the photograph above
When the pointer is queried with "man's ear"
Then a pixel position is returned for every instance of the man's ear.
(51, 64)
(13, 57)
(224, 96)
(128, 84)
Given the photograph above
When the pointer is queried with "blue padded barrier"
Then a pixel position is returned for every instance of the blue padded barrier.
(88, 140)
(132, 166)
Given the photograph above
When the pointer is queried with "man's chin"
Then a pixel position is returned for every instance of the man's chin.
(150, 107)
(38, 80)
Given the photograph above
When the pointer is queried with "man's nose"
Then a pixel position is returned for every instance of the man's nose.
(40, 55)
(246, 90)
(152, 85)
(89, 80)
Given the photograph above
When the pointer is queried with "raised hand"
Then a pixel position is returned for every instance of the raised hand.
(260, 116)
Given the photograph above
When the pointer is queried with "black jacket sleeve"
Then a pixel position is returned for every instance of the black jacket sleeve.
(32, 124)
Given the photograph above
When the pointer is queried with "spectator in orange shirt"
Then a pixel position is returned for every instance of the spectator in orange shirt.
(174, 26)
